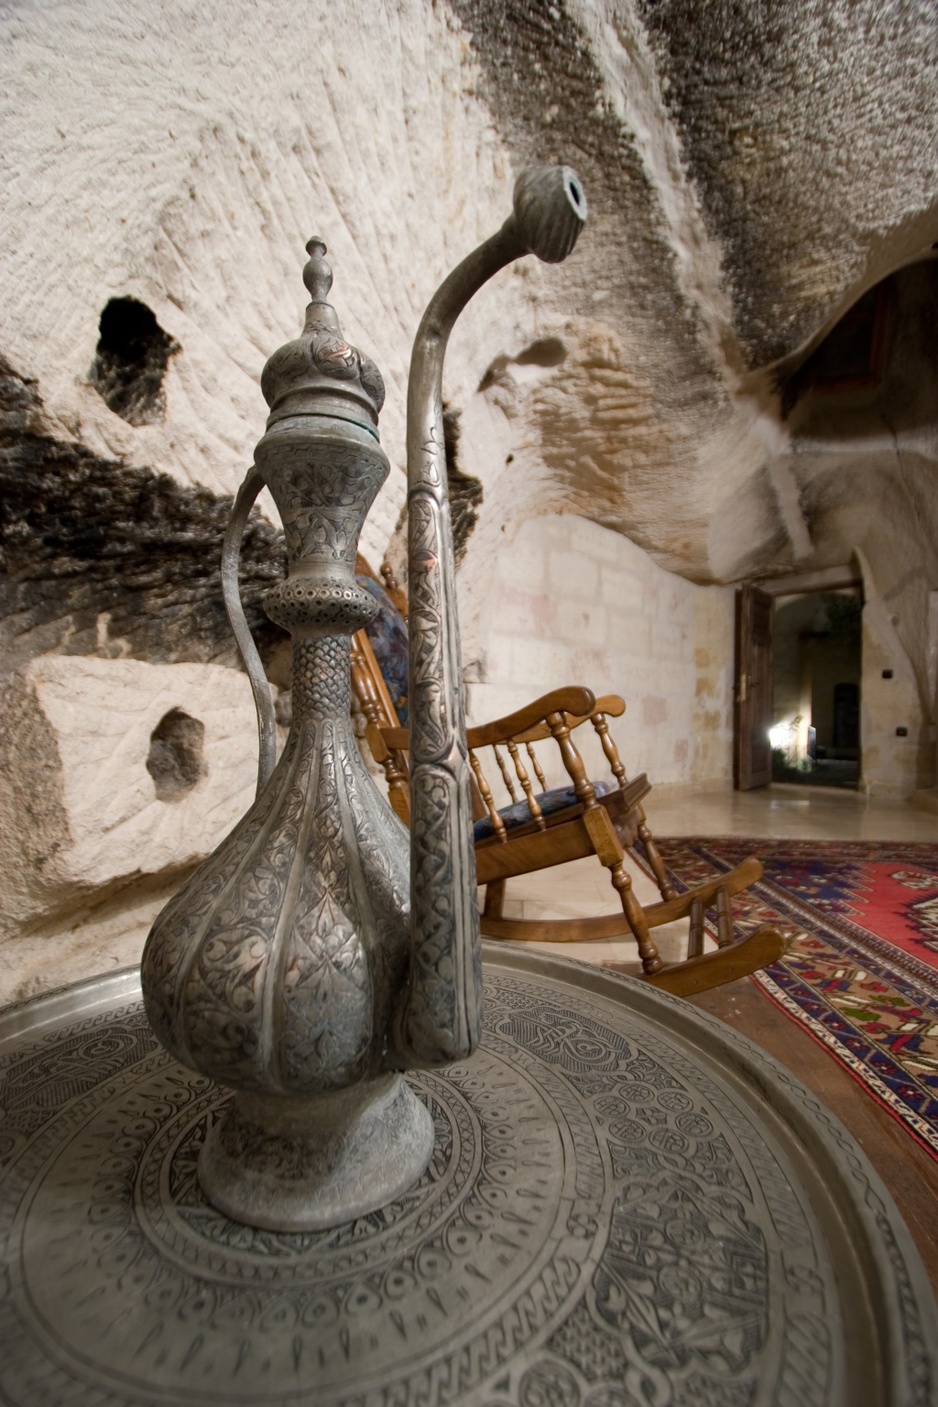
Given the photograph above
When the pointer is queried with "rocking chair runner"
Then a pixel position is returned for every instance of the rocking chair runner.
(550, 826)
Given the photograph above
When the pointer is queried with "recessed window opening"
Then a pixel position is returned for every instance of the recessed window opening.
(130, 362)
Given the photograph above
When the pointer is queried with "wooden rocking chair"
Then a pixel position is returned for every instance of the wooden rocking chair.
(550, 826)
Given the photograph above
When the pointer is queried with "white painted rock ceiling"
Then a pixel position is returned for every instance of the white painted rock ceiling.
(750, 169)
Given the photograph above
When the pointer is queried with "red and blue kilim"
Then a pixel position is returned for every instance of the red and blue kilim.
(861, 973)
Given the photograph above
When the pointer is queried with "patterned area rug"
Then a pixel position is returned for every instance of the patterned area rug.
(861, 974)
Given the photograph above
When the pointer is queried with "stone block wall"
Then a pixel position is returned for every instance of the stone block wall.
(574, 603)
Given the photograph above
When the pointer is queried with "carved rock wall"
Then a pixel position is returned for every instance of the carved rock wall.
(115, 778)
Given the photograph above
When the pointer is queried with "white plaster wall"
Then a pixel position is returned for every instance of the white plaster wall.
(575, 603)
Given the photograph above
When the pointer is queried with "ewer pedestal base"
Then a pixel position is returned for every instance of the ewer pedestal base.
(305, 1164)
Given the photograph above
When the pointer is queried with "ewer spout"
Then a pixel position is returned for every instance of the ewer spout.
(440, 1019)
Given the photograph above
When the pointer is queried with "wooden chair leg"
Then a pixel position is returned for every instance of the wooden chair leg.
(724, 919)
(610, 853)
(664, 884)
(695, 933)
(635, 916)
(494, 899)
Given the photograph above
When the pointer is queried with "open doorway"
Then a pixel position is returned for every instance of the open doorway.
(815, 737)
(798, 679)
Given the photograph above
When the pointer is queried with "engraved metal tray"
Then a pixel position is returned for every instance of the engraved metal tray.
(628, 1204)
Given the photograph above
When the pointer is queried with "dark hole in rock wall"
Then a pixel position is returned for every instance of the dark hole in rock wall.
(131, 360)
(175, 760)
(465, 492)
(98, 558)
(546, 351)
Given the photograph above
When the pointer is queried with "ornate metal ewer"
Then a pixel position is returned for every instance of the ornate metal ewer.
(301, 965)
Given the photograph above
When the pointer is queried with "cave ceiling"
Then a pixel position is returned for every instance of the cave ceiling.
(752, 170)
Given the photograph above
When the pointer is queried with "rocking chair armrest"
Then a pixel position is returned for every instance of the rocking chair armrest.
(380, 750)
(613, 705)
(519, 726)
(377, 745)
(610, 704)
(572, 699)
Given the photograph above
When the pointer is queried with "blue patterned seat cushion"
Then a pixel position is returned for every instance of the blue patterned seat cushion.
(388, 636)
(549, 801)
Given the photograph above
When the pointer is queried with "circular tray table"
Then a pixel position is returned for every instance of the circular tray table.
(627, 1204)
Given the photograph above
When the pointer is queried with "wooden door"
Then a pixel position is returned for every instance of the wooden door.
(754, 688)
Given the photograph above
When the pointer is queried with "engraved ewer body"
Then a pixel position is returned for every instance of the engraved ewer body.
(277, 967)
(320, 951)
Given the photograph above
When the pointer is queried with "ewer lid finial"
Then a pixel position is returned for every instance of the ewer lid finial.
(317, 274)
(320, 373)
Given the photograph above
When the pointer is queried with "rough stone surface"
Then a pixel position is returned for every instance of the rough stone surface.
(80, 815)
(809, 132)
(99, 558)
(360, 123)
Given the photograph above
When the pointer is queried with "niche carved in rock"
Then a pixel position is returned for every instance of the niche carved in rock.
(130, 362)
(175, 760)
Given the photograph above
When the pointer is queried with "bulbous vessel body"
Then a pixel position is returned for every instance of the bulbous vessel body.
(272, 968)
(276, 968)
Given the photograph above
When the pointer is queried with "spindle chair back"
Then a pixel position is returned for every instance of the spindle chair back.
(536, 806)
